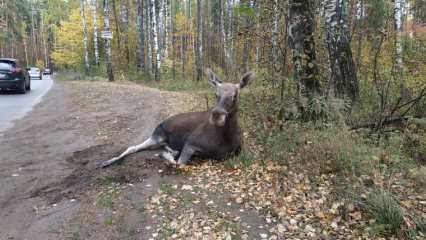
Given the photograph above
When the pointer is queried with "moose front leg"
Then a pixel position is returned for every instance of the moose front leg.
(169, 154)
(186, 154)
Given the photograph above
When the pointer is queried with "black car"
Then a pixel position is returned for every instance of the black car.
(12, 77)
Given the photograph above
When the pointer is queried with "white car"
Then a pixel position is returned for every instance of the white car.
(35, 73)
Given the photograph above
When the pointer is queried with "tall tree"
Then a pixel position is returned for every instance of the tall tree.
(343, 80)
(199, 47)
(156, 50)
(95, 31)
(141, 35)
(301, 40)
(124, 14)
(108, 52)
(398, 31)
(85, 48)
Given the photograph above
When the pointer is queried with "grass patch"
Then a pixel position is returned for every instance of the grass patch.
(243, 160)
(109, 221)
(386, 211)
(106, 200)
(166, 188)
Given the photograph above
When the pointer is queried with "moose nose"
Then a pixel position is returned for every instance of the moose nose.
(218, 116)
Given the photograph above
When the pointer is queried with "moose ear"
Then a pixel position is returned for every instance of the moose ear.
(213, 79)
(247, 78)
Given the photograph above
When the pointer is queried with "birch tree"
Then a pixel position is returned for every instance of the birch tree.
(148, 34)
(398, 30)
(95, 31)
(156, 50)
(141, 36)
(301, 40)
(223, 35)
(85, 49)
(343, 80)
(108, 42)
(275, 34)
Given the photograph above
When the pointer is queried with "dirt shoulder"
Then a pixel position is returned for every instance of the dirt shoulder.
(48, 158)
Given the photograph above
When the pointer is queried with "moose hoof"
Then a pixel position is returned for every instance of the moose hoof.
(168, 156)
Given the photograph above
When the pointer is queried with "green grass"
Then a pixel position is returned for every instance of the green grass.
(386, 211)
(109, 221)
(166, 188)
(244, 159)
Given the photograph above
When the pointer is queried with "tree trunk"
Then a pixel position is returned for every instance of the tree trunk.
(86, 52)
(148, 35)
(108, 42)
(398, 31)
(360, 16)
(141, 34)
(172, 34)
(275, 29)
(156, 50)
(124, 14)
(343, 80)
(95, 32)
(301, 40)
(199, 47)
(117, 25)
(46, 61)
(223, 47)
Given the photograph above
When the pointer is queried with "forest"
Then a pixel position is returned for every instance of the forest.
(337, 111)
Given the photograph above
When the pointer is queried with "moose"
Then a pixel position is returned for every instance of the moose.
(213, 134)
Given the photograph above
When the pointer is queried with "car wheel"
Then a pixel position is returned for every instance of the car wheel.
(23, 89)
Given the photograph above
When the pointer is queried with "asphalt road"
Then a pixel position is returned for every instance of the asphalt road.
(15, 105)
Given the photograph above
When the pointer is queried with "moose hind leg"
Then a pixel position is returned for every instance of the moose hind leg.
(152, 142)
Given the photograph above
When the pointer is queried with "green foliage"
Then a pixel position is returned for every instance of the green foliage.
(243, 10)
(386, 211)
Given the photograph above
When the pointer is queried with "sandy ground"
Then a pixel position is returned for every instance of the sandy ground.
(48, 159)
(51, 187)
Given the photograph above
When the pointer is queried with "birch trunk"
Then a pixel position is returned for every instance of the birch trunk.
(275, 35)
(108, 52)
(172, 35)
(398, 30)
(199, 47)
(149, 35)
(156, 50)
(86, 52)
(141, 35)
(301, 40)
(95, 31)
(230, 5)
(343, 80)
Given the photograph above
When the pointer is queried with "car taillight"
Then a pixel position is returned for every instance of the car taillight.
(16, 71)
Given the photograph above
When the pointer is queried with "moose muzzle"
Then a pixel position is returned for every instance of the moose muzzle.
(218, 117)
